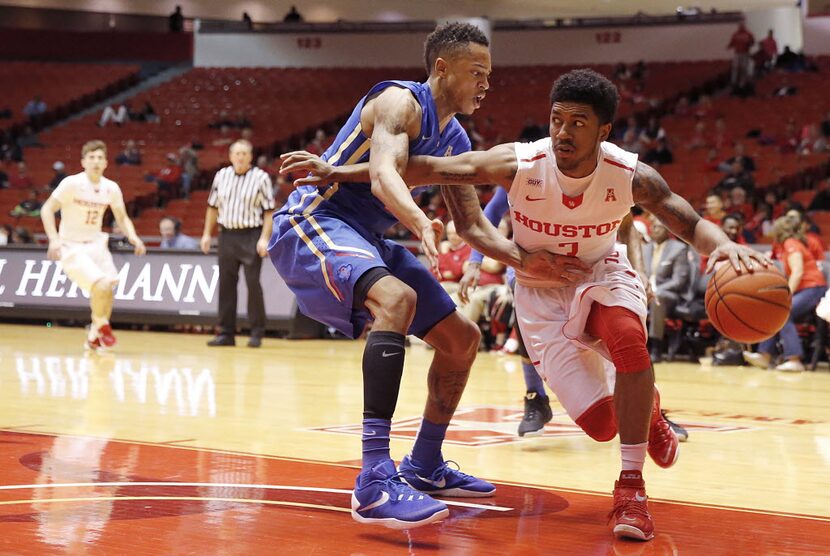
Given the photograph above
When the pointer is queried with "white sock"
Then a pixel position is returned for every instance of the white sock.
(633, 456)
(98, 322)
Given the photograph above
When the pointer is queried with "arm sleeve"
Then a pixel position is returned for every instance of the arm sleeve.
(494, 212)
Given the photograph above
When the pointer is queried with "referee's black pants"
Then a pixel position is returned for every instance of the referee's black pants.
(238, 247)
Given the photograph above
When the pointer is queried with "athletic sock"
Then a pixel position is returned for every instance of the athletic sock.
(633, 456)
(426, 454)
(533, 382)
(375, 441)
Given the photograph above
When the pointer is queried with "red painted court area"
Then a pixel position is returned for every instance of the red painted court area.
(82, 495)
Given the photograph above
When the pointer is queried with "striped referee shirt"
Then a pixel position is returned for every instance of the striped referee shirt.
(241, 199)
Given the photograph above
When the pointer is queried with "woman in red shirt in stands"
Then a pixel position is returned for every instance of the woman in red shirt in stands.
(808, 285)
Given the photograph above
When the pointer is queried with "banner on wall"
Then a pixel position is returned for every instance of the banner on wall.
(174, 285)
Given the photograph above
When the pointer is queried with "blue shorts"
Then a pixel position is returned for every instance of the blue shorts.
(321, 258)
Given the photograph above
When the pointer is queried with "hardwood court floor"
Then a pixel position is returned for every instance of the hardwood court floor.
(168, 447)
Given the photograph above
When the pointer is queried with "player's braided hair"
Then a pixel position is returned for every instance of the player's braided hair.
(585, 86)
(448, 38)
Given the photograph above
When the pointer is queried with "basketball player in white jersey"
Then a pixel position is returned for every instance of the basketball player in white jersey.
(568, 194)
(81, 245)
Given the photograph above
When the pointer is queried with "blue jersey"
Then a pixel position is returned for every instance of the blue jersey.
(354, 202)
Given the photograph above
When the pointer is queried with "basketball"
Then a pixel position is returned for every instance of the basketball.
(748, 307)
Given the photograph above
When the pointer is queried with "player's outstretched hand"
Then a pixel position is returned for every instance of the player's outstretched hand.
(140, 249)
(550, 266)
(740, 256)
(430, 236)
(469, 282)
(54, 250)
(303, 161)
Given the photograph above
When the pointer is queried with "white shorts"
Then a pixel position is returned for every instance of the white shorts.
(86, 263)
(577, 367)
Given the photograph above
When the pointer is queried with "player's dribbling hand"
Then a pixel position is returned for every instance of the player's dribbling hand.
(296, 161)
(54, 250)
(430, 236)
(550, 266)
(469, 282)
(740, 256)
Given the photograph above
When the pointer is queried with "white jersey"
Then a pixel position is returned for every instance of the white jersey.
(568, 216)
(83, 205)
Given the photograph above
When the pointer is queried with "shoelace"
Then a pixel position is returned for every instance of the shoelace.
(393, 483)
(444, 467)
(631, 507)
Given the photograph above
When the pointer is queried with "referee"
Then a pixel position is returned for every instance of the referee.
(241, 201)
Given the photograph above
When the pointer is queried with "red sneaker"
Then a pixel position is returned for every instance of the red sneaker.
(93, 345)
(630, 513)
(105, 335)
(663, 444)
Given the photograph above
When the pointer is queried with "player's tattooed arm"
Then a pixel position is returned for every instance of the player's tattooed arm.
(497, 165)
(652, 193)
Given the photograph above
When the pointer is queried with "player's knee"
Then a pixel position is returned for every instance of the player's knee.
(469, 339)
(600, 420)
(103, 287)
(395, 302)
(625, 339)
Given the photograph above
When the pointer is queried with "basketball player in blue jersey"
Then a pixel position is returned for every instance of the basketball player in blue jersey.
(327, 245)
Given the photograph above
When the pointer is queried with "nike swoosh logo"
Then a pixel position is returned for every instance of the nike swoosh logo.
(384, 498)
(370, 433)
(441, 483)
(529, 198)
(384, 354)
(639, 498)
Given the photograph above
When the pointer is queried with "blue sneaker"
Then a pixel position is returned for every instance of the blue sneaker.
(380, 497)
(444, 481)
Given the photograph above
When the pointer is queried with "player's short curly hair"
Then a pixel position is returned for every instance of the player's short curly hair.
(585, 86)
(449, 38)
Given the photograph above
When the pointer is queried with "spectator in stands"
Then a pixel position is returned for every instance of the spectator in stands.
(813, 142)
(5, 234)
(808, 286)
(721, 138)
(825, 125)
(34, 110)
(57, 177)
(119, 115)
(189, 162)
(714, 209)
(639, 71)
(681, 107)
(788, 60)
(704, 107)
(712, 161)
(452, 256)
(9, 149)
(740, 44)
(733, 227)
(667, 264)
(659, 154)
(631, 142)
(745, 161)
(809, 231)
(821, 201)
(176, 21)
(532, 131)
(293, 16)
(5, 113)
(739, 204)
(223, 120)
(698, 140)
(28, 139)
(28, 207)
(21, 236)
(20, 179)
(490, 133)
(760, 224)
(764, 57)
(168, 179)
(130, 156)
(147, 114)
(652, 132)
(224, 139)
(319, 144)
(247, 21)
(170, 230)
(621, 72)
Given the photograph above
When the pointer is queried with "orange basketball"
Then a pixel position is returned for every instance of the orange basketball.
(748, 307)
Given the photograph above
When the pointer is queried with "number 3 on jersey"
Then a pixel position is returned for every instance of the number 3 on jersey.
(572, 245)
